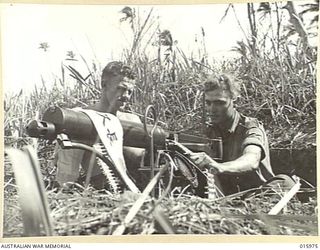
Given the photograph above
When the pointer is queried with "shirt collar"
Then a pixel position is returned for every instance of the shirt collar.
(233, 126)
(235, 122)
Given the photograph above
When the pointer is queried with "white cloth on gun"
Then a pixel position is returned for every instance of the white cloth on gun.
(110, 132)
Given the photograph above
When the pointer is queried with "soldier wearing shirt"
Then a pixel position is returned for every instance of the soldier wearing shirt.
(245, 161)
(117, 82)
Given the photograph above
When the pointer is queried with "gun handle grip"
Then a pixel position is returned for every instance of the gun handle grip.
(180, 148)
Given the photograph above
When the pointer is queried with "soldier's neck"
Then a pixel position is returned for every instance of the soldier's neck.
(227, 124)
(104, 106)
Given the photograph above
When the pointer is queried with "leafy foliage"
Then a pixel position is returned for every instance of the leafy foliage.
(277, 73)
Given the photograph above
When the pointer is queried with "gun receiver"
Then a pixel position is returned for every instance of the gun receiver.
(78, 126)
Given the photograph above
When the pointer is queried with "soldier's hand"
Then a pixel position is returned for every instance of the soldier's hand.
(203, 161)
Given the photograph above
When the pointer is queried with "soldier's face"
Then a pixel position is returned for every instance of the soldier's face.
(219, 105)
(119, 91)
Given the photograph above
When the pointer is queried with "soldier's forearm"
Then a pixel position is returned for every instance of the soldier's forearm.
(243, 164)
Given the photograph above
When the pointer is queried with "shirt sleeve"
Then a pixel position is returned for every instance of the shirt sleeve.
(256, 136)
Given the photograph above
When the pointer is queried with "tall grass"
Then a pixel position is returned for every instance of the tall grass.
(278, 80)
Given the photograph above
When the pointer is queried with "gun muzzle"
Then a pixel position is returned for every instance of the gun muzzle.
(40, 129)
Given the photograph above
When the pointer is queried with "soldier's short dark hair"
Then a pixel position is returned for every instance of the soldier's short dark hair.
(224, 82)
(116, 68)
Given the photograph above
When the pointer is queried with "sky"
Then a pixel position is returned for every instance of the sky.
(95, 32)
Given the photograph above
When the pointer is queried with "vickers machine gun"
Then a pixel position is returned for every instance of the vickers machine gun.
(69, 127)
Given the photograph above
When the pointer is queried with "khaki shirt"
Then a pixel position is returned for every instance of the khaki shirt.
(243, 132)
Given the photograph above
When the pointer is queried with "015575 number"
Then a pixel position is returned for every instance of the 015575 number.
(309, 246)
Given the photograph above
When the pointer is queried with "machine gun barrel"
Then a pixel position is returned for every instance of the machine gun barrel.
(78, 126)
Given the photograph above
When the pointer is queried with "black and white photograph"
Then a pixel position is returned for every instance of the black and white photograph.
(159, 120)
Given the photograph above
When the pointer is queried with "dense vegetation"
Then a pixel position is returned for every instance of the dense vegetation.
(275, 66)
(276, 69)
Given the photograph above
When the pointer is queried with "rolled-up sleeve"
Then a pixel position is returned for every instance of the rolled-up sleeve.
(256, 136)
